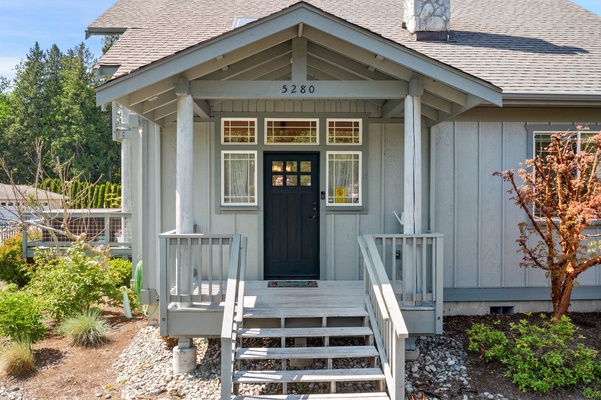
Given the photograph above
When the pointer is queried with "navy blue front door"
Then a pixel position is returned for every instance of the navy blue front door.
(291, 182)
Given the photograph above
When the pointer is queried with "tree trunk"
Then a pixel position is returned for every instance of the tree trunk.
(561, 293)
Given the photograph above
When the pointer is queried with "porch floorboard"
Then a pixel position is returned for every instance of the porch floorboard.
(329, 298)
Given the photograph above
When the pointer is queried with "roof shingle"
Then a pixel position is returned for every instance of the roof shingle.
(522, 46)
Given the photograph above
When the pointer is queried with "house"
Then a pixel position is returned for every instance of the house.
(15, 200)
(347, 143)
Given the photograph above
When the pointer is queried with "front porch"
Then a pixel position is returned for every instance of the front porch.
(400, 294)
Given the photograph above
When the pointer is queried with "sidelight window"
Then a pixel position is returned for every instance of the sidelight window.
(239, 177)
(344, 178)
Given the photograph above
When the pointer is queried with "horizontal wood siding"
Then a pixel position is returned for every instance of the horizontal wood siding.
(297, 106)
(473, 210)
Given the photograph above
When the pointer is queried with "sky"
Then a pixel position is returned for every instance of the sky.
(63, 22)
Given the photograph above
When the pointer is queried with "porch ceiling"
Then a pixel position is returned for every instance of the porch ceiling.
(308, 48)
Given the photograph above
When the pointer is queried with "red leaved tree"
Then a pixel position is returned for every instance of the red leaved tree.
(560, 192)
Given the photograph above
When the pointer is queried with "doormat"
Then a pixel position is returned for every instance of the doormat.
(292, 284)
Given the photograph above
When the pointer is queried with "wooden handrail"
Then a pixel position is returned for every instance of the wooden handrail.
(232, 313)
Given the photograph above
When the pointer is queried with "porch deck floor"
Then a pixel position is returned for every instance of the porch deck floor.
(329, 298)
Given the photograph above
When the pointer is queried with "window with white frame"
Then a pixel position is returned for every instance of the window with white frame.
(304, 131)
(239, 131)
(239, 178)
(344, 131)
(343, 178)
(579, 142)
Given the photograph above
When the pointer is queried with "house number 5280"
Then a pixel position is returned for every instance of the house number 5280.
(295, 89)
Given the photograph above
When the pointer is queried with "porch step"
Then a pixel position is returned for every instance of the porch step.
(327, 396)
(261, 353)
(354, 331)
(305, 312)
(317, 375)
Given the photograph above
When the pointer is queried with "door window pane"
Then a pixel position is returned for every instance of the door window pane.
(344, 178)
(291, 180)
(305, 180)
(277, 180)
(238, 178)
(277, 166)
(291, 166)
(305, 166)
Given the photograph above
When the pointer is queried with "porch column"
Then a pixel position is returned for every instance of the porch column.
(184, 354)
(184, 192)
(412, 214)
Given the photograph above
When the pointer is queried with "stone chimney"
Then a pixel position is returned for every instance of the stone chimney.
(428, 20)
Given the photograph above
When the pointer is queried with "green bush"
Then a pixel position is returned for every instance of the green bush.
(13, 268)
(538, 357)
(21, 317)
(71, 284)
(17, 359)
(87, 329)
(123, 270)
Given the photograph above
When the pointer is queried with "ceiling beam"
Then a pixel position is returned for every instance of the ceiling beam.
(392, 107)
(343, 62)
(299, 59)
(204, 60)
(250, 74)
(202, 109)
(298, 90)
(254, 61)
(333, 70)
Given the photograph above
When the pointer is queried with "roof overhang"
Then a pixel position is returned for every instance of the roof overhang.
(551, 100)
(300, 45)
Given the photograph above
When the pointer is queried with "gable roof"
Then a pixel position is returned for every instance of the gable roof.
(526, 47)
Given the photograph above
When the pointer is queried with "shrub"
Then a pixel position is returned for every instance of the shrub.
(87, 329)
(71, 284)
(13, 268)
(17, 359)
(538, 357)
(123, 271)
(21, 317)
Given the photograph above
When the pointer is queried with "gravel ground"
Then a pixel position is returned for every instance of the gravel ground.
(145, 370)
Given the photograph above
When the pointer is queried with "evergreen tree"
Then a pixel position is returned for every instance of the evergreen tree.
(26, 120)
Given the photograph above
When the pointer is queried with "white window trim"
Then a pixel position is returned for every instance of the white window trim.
(223, 152)
(360, 120)
(265, 128)
(360, 179)
(223, 121)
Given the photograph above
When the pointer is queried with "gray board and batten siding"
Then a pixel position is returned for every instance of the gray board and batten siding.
(480, 223)
(382, 177)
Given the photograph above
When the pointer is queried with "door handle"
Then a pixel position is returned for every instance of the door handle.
(313, 217)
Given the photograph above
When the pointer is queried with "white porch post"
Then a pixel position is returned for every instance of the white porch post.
(412, 210)
(184, 167)
(184, 354)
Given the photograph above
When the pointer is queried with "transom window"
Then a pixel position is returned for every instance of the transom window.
(344, 131)
(239, 178)
(239, 131)
(291, 131)
(344, 178)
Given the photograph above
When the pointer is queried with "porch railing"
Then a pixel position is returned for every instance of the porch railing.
(232, 316)
(385, 316)
(194, 267)
(106, 227)
(414, 265)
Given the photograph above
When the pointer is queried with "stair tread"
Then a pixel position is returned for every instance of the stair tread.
(264, 353)
(317, 375)
(305, 312)
(305, 332)
(326, 396)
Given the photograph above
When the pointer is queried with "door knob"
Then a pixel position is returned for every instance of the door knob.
(314, 217)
